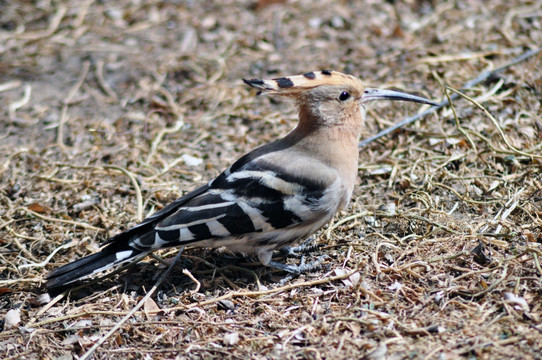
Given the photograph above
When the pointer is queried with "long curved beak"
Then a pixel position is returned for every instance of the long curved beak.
(381, 94)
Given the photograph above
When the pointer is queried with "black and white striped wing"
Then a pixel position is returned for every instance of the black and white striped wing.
(252, 201)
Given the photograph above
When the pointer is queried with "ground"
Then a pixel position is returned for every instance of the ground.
(111, 110)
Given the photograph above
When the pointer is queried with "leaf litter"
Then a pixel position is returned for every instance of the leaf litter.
(114, 109)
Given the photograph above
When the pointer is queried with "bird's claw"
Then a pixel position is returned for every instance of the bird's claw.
(305, 247)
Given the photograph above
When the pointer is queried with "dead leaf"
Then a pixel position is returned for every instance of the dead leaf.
(40, 209)
(150, 306)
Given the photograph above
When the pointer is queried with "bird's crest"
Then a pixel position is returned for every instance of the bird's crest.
(293, 85)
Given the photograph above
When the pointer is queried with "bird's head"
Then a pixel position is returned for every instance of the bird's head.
(329, 98)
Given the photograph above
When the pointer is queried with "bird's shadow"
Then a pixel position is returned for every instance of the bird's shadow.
(211, 271)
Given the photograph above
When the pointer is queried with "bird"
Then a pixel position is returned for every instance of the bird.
(272, 197)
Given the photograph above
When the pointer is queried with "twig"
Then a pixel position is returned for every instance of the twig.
(46, 261)
(4, 224)
(476, 272)
(126, 172)
(18, 281)
(56, 19)
(71, 222)
(463, 56)
(345, 220)
(7, 162)
(19, 245)
(463, 253)
(456, 118)
(99, 71)
(158, 138)
(502, 214)
(535, 258)
(82, 13)
(375, 253)
(421, 218)
(10, 85)
(66, 103)
(482, 77)
(443, 227)
(14, 106)
(75, 316)
(46, 308)
(198, 284)
(492, 286)
(484, 96)
(537, 263)
(91, 351)
(139, 197)
(463, 198)
(488, 114)
(262, 293)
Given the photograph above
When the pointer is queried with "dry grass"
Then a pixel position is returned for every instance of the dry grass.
(438, 256)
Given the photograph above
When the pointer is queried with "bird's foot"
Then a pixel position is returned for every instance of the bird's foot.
(302, 268)
(305, 247)
(295, 270)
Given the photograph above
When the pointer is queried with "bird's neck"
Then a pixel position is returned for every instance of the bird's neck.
(336, 146)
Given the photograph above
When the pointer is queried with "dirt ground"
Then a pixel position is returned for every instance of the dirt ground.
(112, 109)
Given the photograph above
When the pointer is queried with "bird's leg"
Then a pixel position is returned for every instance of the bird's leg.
(305, 247)
(299, 251)
(302, 268)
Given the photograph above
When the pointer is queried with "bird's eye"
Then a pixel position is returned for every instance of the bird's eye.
(345, 95)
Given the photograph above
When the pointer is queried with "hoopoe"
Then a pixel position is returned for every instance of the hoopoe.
(272, 197)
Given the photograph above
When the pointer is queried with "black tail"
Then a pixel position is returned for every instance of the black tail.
(118, 249)
(108, 257)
